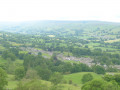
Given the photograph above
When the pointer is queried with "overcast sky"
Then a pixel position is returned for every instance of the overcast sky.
(26, 10)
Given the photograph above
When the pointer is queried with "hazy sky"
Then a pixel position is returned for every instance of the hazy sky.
(24, 10)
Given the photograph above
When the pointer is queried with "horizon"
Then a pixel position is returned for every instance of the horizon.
(59, 21)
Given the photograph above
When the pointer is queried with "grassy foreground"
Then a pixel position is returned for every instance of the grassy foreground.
(76, 77)
(12, 83)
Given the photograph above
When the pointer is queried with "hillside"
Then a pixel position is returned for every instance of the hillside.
(57, 54)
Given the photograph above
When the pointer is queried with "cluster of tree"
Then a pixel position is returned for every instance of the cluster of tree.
(100, 85)
(11, 53)
(74, 45)
(109, 82)
(87, 77)
(112, 77)
(45, 67)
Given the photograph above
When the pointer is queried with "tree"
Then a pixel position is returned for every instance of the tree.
(99, 69)
(108, 77)
(39, 53)
(76, 68)
(44, 73)
(4, 54)
(7, 54)
(117, 78)
(19, 73)
(3, 79)
(100, 85)
(12, 56)
(56, 78)
(87, 77)
(54, 57)
(93, 85)
(31, 74)
(112, 85)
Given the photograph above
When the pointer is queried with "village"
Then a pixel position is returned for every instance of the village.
(85, 60)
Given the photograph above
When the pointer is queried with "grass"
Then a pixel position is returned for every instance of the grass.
(2, 60)
(11, 82)
(45, 54)
(111, 41)
(77, 77)
(66, 53)
(70, 87)
(24, 52)
(51, 35)
(15, 44)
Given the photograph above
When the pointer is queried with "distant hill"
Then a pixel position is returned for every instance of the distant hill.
(91, 29)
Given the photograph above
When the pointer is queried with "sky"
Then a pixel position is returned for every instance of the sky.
(27, 10)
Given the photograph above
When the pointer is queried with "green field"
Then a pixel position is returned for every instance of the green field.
(76, 77)
(12, 83)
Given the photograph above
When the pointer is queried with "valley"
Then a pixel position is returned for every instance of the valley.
(56, 55)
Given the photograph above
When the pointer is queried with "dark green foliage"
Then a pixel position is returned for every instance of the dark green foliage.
(67, 68)
(70, 82)
(15, 51)
(54, 57)
(111, 69)
(100, 85)
(56, 78)
(7, 54)
(3, 66)
(111, 86)
(87, 77)
(44, 73)
(80, 67)
(93, 85)
(99, 69)
(117, 78)
(108, 77)
(32, 74)
(21, 56)
(28, 61)
(76, 68)
(3, 79)
(19, 73)
(80, 52)
(39, 53)
(114, 77)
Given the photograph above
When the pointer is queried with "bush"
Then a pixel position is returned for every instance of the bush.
(100, 85)
(70, 81)
(19, 73)
(87, 77)
(56, 78)
(99, 69)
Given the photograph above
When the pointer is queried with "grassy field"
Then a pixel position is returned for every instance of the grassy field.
(111, 41)
(2, 48)
(2, 60)
(76, 77)
(12, 83)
